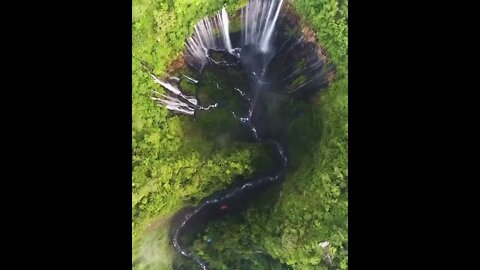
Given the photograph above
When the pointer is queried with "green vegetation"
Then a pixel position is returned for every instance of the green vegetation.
(173, 162)
(314, 203)
(177, 161)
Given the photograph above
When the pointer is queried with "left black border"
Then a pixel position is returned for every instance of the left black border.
(67, 121)
(69, 146)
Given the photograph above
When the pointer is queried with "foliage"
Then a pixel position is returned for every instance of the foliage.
(173, 163)
(176, 163)
(329, 18)
(313, 206)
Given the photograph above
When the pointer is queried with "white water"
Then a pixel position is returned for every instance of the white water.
(174, 104)
(187, 105)
(174, 90)
(178, 102)
(190, 79)
(225, 26)
(258, 18)
(204, 38)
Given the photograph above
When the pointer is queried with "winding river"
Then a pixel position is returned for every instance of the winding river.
(275, 58)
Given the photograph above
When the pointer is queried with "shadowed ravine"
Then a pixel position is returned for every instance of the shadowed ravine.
(270, 61)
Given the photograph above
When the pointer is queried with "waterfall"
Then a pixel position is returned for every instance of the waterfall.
(271, 62)
(259, 19)
(225, 25)
(205, 38)
(254, 47)
(259, 22)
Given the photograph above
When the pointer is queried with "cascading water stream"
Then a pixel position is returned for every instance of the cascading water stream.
(226, 34)
(256, 54)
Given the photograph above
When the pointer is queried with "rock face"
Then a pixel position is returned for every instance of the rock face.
(252, 74)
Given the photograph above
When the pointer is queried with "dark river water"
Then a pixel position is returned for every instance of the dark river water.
(257, 93)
